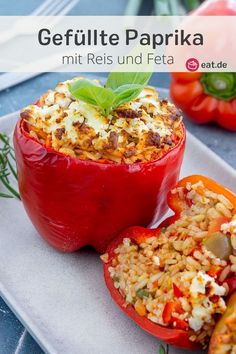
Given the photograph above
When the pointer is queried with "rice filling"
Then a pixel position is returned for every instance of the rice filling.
(176, 278)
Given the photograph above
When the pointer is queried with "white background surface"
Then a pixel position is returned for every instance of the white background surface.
(62, 298)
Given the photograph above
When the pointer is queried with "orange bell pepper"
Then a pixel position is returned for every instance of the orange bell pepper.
(224, 333)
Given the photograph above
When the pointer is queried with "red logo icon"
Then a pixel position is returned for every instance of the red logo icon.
(192, 64)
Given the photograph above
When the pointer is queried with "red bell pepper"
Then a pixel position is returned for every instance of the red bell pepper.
(216, 8)
(73, 203)
(179, 336)
(207, 97)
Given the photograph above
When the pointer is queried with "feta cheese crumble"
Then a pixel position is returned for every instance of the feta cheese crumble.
(143, 129)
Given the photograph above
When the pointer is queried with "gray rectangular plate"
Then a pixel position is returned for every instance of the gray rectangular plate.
(62, 298)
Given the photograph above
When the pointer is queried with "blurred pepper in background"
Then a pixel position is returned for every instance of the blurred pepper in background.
(207, 97)
(203, 97)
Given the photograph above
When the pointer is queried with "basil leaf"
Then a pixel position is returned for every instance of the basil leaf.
(120, 88)
(126, 93)
(117, 79)
(91, 93)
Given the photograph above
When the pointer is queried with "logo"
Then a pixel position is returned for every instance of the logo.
(192, 64)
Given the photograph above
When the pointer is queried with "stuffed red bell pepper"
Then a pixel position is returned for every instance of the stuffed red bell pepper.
(173, 280)
(84, 176)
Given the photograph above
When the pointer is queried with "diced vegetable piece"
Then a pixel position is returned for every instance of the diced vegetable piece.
(177, 291)
(215, 224)
(140, 308)
(214, 271)
(231, 282)
(178, 323)
(166, 314)
(170, 307)
(142, 293)
(115, 279)
(219, 244)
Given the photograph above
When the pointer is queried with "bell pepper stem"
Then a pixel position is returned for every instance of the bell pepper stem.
(191, 4)
(219, 85)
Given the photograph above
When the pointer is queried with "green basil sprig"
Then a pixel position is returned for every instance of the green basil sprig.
(119, 88)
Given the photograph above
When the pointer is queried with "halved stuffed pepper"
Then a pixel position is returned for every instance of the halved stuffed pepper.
(173, 280)
(223, 340)
(85, 176)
